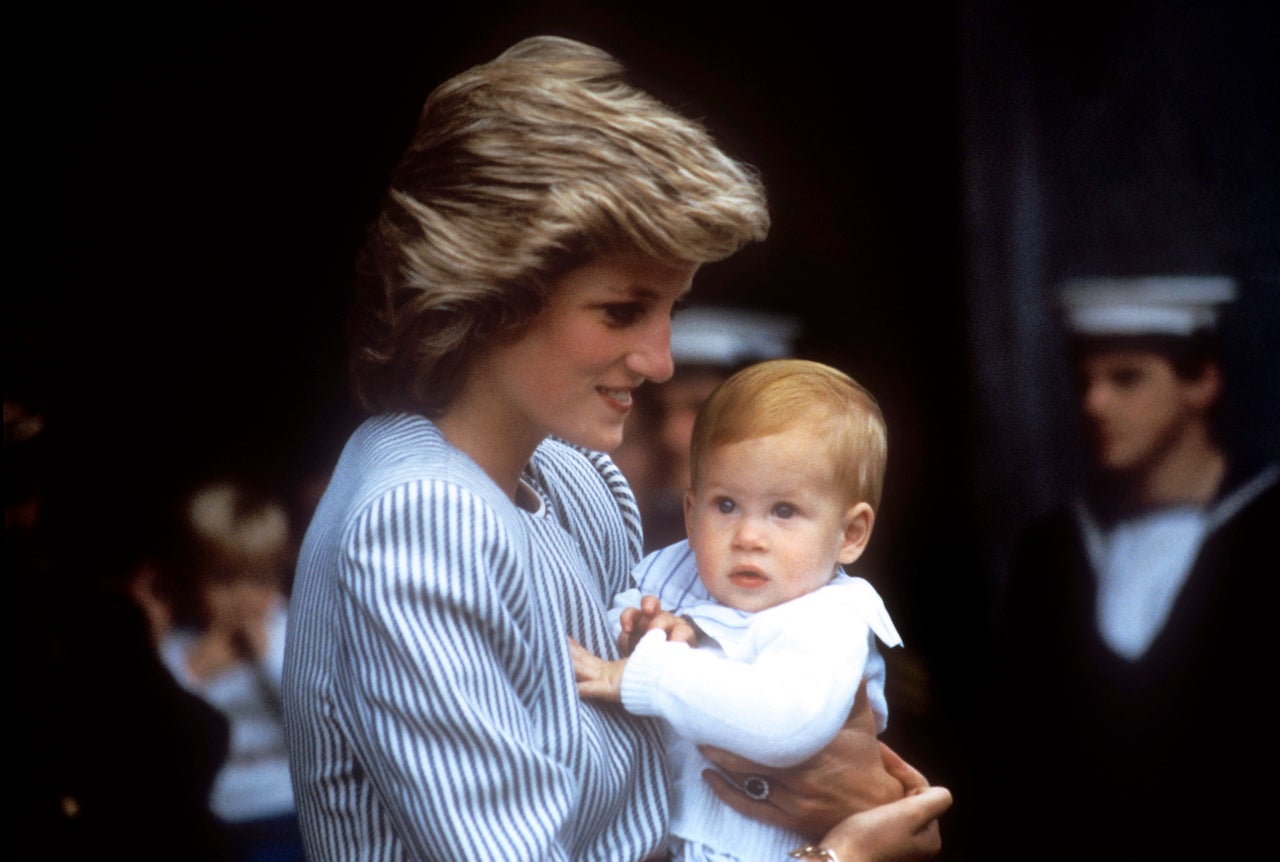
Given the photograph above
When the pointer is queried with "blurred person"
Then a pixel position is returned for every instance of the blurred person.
(229, 649)
(708, 344)
(788, 461)
(112, 757)
(1136, 622)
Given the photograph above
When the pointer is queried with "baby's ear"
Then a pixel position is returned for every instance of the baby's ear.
(688, 513)
(856, 531)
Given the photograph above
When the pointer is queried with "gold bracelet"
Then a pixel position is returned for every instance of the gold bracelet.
(813, 851)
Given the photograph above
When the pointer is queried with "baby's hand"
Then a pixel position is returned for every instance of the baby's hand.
(636, 622)
(596, 677)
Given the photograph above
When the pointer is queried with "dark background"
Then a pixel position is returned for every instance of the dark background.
(192, 184)
(195, 184)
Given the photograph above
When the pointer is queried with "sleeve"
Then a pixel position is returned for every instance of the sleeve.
(272, 663)
(628, 511)
(594, 504)
(779, 708)
(439, 675)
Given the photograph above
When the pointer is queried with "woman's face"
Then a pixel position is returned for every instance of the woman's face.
(606, 330)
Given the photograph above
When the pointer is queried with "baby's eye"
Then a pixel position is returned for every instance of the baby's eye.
(623, 313)
(725, 506)
(784, 510)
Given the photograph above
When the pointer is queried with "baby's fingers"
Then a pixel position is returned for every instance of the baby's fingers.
(650, 606)
(628, 619)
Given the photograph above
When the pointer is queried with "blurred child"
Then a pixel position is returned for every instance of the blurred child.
(238, 550)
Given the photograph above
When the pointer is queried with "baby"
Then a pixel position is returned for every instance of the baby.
(788, 461)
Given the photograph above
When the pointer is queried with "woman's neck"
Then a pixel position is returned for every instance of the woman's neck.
(469, 424)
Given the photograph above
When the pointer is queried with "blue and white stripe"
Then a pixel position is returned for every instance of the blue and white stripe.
(429, 695)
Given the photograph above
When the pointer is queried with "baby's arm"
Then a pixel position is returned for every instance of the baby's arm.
(596, 677)
(778, 707)
(602, 679)
(772, 712)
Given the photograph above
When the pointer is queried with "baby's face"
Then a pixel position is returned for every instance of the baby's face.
(767, 523)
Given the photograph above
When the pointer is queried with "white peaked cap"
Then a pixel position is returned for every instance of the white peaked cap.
(1177, 305)
(729, 337)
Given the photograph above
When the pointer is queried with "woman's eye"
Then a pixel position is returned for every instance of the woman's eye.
(784, 510)
(623, 313)
(725, 506)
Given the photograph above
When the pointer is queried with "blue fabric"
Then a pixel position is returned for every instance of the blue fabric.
(429, 696)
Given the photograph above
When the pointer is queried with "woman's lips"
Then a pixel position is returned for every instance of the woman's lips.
(618, 399)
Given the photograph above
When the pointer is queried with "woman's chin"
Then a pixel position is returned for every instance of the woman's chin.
(606, 443)
(597, 439)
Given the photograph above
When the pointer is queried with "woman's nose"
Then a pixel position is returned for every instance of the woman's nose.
(650, 356)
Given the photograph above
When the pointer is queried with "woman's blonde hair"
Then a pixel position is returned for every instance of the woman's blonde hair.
(775, 396)
(520, 169)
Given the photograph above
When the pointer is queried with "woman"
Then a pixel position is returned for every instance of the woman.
(517, 287)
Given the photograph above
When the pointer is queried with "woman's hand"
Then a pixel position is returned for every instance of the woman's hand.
(813, 797)
(902, 831)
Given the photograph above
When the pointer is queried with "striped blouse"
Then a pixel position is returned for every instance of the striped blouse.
(430, 704)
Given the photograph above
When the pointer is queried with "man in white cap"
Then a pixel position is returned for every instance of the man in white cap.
(1137, 650)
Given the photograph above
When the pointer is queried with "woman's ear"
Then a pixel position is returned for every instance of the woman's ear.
(856, 531)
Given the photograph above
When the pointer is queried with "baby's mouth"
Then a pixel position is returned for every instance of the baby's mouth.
(747, 578)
